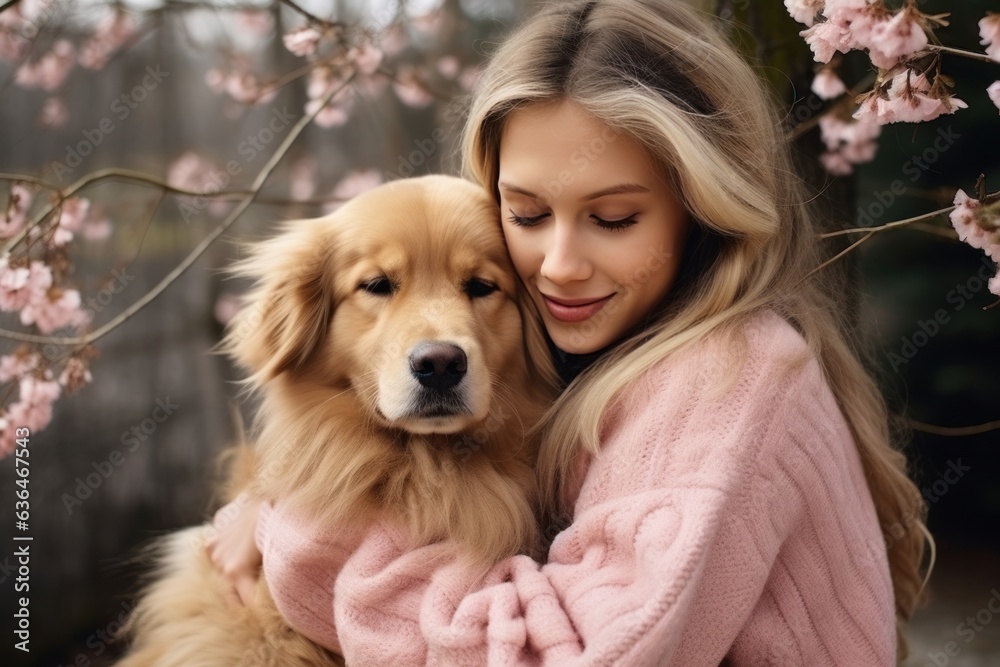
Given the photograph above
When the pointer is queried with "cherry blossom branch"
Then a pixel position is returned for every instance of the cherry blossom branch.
(197, 251)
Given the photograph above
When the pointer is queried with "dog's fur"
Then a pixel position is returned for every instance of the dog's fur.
(367, 411)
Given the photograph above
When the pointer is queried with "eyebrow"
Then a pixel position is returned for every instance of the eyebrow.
(622, 188)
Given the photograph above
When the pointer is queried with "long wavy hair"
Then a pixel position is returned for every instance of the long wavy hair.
(663, 74)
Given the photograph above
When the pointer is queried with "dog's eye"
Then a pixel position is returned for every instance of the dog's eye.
(380, 285)
(475, 288)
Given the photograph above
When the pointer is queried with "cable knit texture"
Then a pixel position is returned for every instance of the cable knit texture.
(733, 528)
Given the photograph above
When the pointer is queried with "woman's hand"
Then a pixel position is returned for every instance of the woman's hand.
(232, 549)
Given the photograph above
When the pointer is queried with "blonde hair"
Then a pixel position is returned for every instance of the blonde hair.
(661, 73)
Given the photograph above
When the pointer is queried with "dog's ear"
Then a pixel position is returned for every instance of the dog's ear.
(286, 315)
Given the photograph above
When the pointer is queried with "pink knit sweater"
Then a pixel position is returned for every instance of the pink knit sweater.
(734, 528)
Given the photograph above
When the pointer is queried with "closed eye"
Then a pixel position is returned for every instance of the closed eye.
(477, 288)
(611, 225)
(380, 286)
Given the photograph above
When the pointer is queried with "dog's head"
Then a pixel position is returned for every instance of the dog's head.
(405, 296)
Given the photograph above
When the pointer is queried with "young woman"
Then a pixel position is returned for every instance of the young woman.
(719, 471)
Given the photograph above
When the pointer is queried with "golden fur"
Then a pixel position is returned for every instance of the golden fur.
(345, 335)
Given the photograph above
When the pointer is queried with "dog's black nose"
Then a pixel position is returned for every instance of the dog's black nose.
(438, 365)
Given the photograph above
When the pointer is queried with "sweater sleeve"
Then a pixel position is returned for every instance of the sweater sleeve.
(677, 528)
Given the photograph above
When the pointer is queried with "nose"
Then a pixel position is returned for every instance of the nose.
(438, 366)
(563, 262)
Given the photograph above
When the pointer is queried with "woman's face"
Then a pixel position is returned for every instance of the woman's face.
(585, 217)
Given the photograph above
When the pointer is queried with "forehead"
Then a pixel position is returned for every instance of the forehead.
(544, 144)
(439, 230)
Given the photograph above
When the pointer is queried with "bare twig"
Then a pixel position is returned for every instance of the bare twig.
(955, 430)
(889, 225)
(960, 52)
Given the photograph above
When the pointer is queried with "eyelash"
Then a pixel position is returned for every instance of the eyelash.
(610, 225)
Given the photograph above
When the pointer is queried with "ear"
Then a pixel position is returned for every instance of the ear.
(287, 314)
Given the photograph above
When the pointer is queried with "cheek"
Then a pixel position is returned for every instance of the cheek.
(522, 254)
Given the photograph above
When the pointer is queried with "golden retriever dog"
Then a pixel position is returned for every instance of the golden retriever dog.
(401, 367)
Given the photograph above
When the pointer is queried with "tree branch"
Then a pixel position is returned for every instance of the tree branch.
(196, 252)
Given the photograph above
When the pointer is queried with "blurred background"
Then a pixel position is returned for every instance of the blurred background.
(191, 97)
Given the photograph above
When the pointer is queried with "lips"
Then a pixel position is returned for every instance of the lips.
(587, 309)
(574, 302)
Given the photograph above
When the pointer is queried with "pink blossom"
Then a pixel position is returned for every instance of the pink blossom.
(34, 406)
(35, 11)
(989, 30)
(8, 441)
(994, 92)
(449, 66)
(827, 38)
(302, 41)
(13, 46)
(410, 90)
(366, 58)
(246, 88)
(966, 218)
(112, 33)
(336, 112)
(255, 22)
(215, 79)
(847, 143)
(74, 211)
(96, 230)
(393, 40)
(899, 36)
(50, 315)
(804, 11)
(22, 285)
(74, 374)
(54, 113)
(303, 178)
(17, 210)
(51, 69)
(828, 85)
(907, 98)
(836, 163)
(226, 306)
(429, 22)
(469, 76)
(13, 366)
